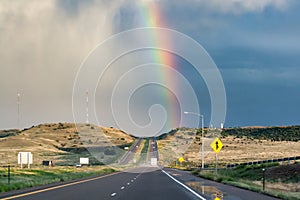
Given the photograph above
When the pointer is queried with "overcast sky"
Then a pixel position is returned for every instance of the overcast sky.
(254, 43)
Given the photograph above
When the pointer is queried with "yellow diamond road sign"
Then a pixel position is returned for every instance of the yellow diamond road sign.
(181, 159)
(216, 145)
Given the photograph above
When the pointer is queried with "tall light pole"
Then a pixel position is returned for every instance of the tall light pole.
(202, 137)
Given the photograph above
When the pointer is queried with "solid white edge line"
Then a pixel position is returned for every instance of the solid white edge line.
(183, 185)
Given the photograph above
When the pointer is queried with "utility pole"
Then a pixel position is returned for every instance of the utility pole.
(263, 178)
(87, 106)
(18, 104)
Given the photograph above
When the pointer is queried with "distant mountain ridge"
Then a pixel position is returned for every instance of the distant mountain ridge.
(272, 133)
(275, 133)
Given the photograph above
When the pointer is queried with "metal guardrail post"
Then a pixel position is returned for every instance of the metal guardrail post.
(276, 160)
(263, 178)
(8, 174)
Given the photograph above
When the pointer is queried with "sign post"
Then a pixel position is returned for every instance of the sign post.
(8, 173)
(216, 145)
(263, 178)
(181, 159)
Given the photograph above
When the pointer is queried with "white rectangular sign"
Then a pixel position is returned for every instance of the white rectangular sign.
(24, 158)
(154, 161)
(84, 161)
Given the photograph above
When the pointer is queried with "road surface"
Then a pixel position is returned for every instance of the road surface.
(152, 151)
(159, 184)
(208, 188)
(129, 155)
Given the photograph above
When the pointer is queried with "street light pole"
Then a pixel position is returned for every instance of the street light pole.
(202, 135)
(202, 130)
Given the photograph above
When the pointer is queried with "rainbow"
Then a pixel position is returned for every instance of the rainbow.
(152, 17)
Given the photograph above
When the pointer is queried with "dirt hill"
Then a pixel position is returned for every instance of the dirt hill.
(58, 142)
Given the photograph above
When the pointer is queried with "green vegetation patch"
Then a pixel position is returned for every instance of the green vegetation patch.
(25, 178)
(144, 151)
(250, 177)
(7, 133)
(290, 133)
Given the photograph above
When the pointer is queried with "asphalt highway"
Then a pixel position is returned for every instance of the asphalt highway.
(152, 151)
(125, 185)
(142, 183)
(128, 156)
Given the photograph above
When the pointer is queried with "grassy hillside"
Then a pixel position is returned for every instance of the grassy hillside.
(63, 143)
(239, 144)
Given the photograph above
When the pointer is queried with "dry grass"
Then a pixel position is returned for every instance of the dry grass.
(49, 141)
(283, 187)
(235, 150)
(174, 146)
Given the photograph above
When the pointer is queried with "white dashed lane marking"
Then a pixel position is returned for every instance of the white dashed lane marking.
(113, 194)
(122, 187)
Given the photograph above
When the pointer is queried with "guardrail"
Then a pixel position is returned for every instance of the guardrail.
(288, 159)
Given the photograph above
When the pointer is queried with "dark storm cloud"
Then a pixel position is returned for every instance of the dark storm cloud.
(254, 43)
(256, 46)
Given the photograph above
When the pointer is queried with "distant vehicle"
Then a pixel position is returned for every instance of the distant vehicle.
(47, 163)
(78, 165)
(154, 161)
